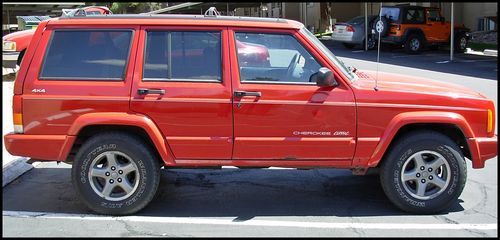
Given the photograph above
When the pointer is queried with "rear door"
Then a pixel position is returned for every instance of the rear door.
(278, 113)
(182, 83)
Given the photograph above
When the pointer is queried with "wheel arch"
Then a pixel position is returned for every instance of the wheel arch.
(452, 125)
(410, 31)
(139, 125)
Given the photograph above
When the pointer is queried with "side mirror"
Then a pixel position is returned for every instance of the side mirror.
(324, 77)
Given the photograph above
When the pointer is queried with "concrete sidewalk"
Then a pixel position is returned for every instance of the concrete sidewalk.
(12, 166)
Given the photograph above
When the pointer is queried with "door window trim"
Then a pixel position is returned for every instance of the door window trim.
(270, 82)
(169, 61)
(49, 45)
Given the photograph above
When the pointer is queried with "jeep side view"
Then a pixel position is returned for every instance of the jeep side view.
(120, 96)
(415, 27)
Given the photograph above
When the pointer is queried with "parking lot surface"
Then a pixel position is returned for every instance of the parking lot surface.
(269, 202)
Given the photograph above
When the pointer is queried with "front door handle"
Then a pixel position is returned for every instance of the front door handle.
(244, 93)
(144, 91)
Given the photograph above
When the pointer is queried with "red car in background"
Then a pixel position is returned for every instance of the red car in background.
(15, 44)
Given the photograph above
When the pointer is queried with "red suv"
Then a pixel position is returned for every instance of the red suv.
(120, 96)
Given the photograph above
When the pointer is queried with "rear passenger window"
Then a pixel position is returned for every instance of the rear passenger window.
(182, 56)
(87, 55)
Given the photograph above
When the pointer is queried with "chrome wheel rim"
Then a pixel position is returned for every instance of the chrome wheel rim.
(425, 175)
(414, 44)
(113, 176)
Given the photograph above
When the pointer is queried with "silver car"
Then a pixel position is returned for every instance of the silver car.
(352, 32)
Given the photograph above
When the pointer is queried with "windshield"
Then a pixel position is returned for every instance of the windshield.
(347, 70)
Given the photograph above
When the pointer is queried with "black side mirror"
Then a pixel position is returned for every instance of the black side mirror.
(324, 77)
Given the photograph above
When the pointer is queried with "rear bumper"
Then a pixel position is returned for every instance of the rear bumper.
(43, 147)
(482, 149)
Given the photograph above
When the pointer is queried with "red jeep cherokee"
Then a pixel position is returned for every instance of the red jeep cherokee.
(120, 96)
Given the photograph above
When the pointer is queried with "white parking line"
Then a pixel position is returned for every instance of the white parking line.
(251, 222)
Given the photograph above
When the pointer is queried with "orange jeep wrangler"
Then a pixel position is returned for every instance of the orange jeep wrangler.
(415, 27)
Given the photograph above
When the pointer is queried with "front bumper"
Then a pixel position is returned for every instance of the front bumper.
(482, 149)
(9, 59)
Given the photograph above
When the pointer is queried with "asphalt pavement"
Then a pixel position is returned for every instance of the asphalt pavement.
(269, 202)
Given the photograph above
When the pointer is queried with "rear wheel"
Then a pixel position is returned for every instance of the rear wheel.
(115, 173)
(425, 172)
(413, 44)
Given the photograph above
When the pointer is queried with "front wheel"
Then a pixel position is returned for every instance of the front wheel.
(115, 173)
(460, 43)
(424, 173)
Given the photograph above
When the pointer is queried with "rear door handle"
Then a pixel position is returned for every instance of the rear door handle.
(144, 91)
(244, 93)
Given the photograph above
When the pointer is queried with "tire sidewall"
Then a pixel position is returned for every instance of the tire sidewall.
(408, 44)
(133, 203)
(396, 191)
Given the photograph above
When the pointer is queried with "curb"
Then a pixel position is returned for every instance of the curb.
(15, 169)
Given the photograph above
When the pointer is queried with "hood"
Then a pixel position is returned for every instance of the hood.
(18, 34)
(406, 83)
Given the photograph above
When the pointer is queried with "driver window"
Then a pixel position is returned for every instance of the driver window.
(433, 16)
(273, 58)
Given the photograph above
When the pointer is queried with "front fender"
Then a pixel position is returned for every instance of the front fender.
(407, 118)
(118, 118)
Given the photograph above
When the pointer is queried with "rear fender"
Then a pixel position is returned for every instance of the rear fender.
(117, 118)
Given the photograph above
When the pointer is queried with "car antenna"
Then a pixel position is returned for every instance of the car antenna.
(379, 28)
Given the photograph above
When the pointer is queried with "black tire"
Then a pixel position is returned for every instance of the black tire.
(146, 166)
(460, 44)
(399, 192)
(349, 45)
(414, 44)
(372, 43)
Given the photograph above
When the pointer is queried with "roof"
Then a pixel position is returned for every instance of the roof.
(178, 19)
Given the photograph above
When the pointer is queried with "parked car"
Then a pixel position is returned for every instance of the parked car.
(120, 96)
(14, 45)
(352, 32)
(415, 27)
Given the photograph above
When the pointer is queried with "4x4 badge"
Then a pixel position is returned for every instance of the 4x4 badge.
(38, 90)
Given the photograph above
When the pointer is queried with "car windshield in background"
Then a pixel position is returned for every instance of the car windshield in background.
(391, 13)
(344, 68)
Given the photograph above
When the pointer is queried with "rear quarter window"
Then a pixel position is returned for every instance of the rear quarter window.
(86, 55)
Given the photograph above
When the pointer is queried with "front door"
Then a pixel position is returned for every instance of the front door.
(180, 82)
(278, 113)
(436, 30)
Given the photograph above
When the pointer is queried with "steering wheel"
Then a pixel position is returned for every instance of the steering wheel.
(292, 66)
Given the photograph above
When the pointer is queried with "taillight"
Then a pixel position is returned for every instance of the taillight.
(350, 29)
(17, 114)
(398, 27)
(489, 125)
